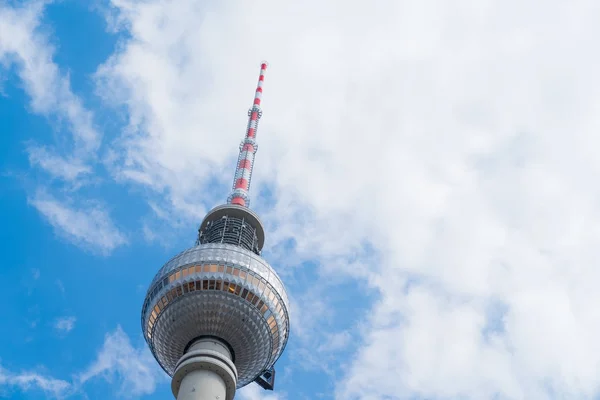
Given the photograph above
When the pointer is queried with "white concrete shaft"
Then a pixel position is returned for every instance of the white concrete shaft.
(205, 372)
(202, 384)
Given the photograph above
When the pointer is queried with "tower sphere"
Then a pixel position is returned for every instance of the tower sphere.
(218, 290)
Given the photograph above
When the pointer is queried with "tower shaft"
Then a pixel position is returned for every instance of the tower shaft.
(205, 372)
(248, 147)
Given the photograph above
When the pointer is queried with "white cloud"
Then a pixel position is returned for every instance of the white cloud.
(61, 286)
(65, 324)
(255, 392)
(89, 226)
(336, 341)
(134, 368)
(57, 166)
(26, 381)
(23, 45)
(26, 48)
(454, 139)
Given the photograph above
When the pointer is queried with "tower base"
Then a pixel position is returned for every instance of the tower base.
(205, 372)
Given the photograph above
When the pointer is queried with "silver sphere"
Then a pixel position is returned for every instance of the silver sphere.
(218, 290)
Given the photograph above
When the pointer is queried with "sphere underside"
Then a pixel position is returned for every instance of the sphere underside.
(214, 314)
(217, 290)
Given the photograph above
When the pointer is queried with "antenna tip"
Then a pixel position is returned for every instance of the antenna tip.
(264, 64)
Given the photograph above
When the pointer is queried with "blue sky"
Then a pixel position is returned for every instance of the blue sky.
(425, 174)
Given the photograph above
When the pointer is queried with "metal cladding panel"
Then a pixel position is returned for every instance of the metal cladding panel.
(220, 290)
(224, 252)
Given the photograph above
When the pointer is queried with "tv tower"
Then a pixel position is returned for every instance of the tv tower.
(216, 316)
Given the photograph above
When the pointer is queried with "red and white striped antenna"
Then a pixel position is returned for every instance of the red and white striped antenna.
(248, 148)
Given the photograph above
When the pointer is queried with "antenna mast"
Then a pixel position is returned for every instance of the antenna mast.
(248, 147)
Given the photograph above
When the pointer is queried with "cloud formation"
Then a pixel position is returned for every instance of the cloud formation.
(24, 46)
(57, 166)
(26, 381)
(134, 369)
(68, 161)
(255, 392)
(89, 225)
(441, 154)
(65, 324)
